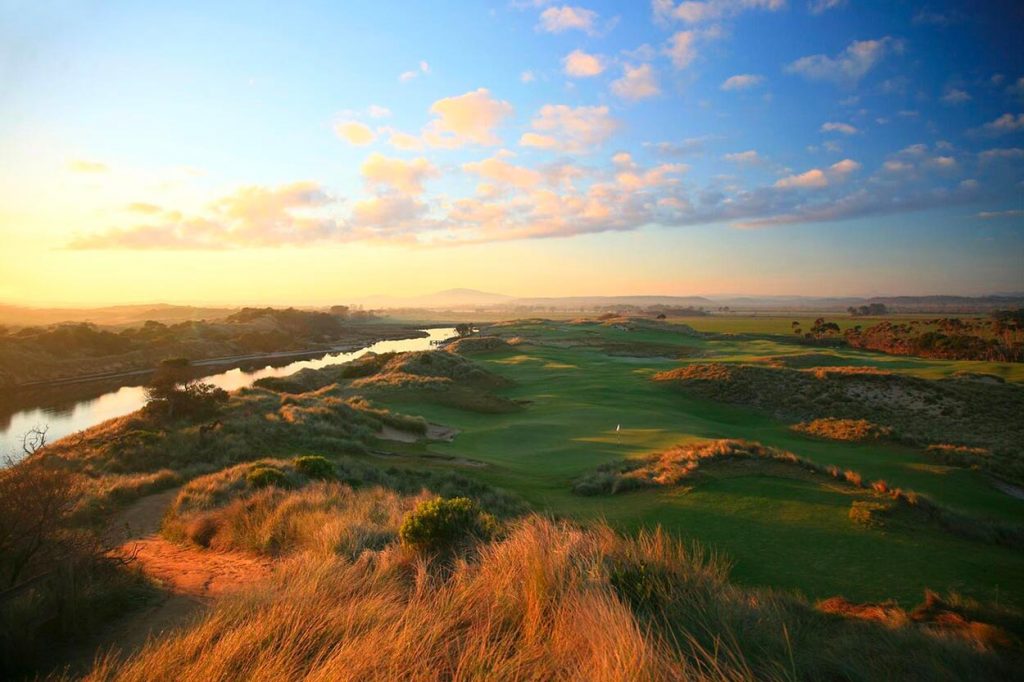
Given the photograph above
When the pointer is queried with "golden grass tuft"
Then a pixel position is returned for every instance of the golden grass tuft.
(843, 429)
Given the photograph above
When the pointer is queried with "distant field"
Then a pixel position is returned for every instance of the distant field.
(779, 531)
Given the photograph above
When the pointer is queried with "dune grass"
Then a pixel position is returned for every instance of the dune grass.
(547, 601)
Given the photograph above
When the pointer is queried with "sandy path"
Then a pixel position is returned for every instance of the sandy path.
(191, 577)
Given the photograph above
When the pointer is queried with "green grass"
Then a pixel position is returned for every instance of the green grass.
(778, 532)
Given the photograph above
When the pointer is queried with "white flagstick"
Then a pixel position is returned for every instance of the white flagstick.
(618, 436)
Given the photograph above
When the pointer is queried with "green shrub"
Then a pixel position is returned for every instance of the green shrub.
(445, 525)
(266, 476)
(314, 466)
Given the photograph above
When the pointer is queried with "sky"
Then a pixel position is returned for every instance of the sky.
(309, 152)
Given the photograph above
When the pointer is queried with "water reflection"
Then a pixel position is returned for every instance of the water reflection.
(66, 411)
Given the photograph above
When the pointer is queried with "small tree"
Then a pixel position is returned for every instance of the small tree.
(464, 329)
(173, 390)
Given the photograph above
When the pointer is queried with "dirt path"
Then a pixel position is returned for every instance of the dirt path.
(192, 578)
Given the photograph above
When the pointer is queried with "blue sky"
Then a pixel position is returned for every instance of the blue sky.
(757, 146)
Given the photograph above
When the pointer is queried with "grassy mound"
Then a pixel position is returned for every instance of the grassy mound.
(547, 601)
(477, 344)
(341, 505)
(684, 463)
(844, 429)
(921, 411)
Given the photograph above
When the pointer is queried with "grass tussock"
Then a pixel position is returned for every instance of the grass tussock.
(548, 601)
(858, 430)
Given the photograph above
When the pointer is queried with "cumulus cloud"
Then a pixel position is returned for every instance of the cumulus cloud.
(579, 64)
(401, 140)
(251, 216)
(568, 18)
(682, 49)
(399, 175)
(377, 111)
(86, 166)
(1006, 154)
(834, 127)
(692, 12)
(466, 119)
(742, 81)
(499, 171)
(355, 133)
(1005, 124)
(637, 82)
(570, 129)
(955, 96)
(850, 65)
(812, 179)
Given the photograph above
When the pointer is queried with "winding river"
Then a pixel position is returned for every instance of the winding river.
(63, 415)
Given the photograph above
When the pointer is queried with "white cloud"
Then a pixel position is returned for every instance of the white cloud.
(1007, 123)
(850, 65)
(990, 215)
(466, 119)
(990, 155)
(527, 77)
(355, 133)
(822, 6)
(741, 81)
(568, 18)
(579, 64)
(682, 49)
(693, 12)
(422, 69)
(834, 127)
(377, 111)
(749, 157)
(844, 167)
(637, 82)
(571, 129)
(955, 96)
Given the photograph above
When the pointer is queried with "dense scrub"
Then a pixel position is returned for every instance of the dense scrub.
(550, 601)
(1000, 338)
(918, 411)
(69, 350)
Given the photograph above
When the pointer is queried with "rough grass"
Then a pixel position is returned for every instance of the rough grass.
(549, 601)
(354, 507)
(920, 411)
(682, 463)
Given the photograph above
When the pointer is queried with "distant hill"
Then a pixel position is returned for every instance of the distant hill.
(20, 316)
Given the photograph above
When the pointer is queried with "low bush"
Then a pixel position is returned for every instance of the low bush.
(442, 526)
(314, 466)
(266, 476)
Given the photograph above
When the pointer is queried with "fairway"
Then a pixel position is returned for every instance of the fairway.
(782, 531)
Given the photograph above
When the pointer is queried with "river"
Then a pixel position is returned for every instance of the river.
(63, 416)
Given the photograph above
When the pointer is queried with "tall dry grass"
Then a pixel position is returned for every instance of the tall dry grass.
(550, 601)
